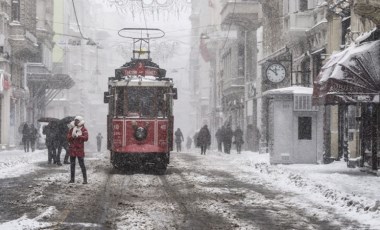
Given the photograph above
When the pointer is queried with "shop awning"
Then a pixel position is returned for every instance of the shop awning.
(44, 86)
(51, 81)
(350, 76)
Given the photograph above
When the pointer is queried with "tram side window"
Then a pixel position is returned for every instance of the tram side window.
(161, 103)
(119, 97)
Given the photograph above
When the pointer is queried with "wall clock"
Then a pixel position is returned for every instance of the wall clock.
(275, 72)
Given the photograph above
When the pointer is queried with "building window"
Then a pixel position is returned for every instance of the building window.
(305, 71)
(303, 5)
(241, 60)
(304, 128)
(303, 103)
(15, 10)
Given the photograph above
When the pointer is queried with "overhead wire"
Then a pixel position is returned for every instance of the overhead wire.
(76, 18)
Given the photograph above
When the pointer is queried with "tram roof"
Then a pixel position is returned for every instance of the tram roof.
(147, 81)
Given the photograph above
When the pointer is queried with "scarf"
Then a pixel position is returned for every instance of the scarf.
(77, 131)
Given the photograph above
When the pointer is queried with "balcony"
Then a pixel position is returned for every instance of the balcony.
(299, 22)
(21, 39)
(247, 14)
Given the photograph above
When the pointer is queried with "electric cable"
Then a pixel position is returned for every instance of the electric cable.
(76, 18)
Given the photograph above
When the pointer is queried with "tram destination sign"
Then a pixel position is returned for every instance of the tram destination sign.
(143, 72)
(140, 69)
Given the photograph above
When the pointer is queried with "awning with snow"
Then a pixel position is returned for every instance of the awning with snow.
(350, 76)
(44, 86)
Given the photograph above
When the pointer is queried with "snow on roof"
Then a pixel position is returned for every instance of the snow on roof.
(290, 90)
(364, 36)
(330, 70)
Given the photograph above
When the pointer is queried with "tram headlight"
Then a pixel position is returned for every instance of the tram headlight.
(141, 133)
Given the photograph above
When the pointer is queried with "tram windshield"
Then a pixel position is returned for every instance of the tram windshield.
(141, 102)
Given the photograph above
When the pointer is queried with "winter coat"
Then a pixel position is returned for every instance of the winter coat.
(178, 136)
(76, 138)
(195, 138)
(227, 134)
(25, 133)
(219, 135)
(204, 137)
(33, 133)
(238, 136)
(51, 132)
(99, 138)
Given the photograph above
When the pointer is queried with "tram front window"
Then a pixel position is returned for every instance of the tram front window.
(141, 102)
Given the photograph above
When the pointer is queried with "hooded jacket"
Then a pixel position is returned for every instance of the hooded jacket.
(76, 137)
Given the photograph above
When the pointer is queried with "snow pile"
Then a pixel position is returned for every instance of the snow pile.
(36, 223)
(343, 189)
(17, 162)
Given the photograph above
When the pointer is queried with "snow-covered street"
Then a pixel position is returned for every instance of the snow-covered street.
(215, 191)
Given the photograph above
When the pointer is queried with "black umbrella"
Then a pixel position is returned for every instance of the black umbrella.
(47, 119)
(66, 120)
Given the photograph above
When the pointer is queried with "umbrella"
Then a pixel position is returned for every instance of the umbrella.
(66, 120)
(47, 119)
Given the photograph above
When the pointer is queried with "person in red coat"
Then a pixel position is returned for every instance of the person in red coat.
(76, 137)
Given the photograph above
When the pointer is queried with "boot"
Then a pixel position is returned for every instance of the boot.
(84, 176)
(66, 159)
(72, 173)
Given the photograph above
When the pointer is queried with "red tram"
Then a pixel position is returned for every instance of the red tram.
(140, 112)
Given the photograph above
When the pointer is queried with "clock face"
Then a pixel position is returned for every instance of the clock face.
(276, 73)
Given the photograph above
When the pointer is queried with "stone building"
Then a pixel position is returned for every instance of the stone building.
(27, 79)
(294, 43)
(238, 59)
(349, 131)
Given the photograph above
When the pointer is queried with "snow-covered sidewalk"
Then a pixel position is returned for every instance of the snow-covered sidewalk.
(352, 193)
(17, 162)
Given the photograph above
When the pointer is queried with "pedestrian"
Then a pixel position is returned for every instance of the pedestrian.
(238, 134)
(33, 134)
(195, 138)
(62, 143)
(204, 139)
(219, 136)
(227, 138)
(51, 131)
(188, 142)
(26, 137)
(99, 138)
(178, 139)
(76, 138)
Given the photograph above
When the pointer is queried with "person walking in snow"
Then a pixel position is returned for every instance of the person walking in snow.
(204, 139)
(227, 138)
(62, 143)
(25, 137)
(99, 138)
(238, 134)
(51, 130)
(33, 134)
(219, 136)
(188, 142)
(76, 138)
(178, 139)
